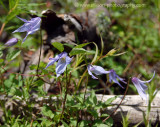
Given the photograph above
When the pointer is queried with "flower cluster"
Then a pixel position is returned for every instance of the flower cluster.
(93, 70)
(63, 59)
(97, 70)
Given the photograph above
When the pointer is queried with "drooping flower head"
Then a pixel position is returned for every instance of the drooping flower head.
(141, 87)
(113, 77)
(11, 42)
(30, 26)
(63, 60)
(98, 70)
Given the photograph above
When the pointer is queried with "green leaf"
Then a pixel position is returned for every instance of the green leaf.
(78, 106)
(102, 125)
(84, 123)
(69, 45)
(13, 4)
(15, 124)
(157, 3)
(46, 111)
(82, 45)
(46, 123)
(107, 123)
(96, 53)
(1, 60)
(13, 55)
(110, 100)
(73, 122)
(76, 51)
(57, 117)
(3, 5)
(12, 14)
(25, 93)
(13, 10)
(1, 53)
(93, 113)
(2, 46)
(14, 91)
(33, 66)
(58, 46)
(35, 4)
(102, 45)
(64, 124)
(93, 98)
(111, 52)
(125, 120)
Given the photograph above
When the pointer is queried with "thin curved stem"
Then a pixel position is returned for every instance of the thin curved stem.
(1, 30)
(118, 104)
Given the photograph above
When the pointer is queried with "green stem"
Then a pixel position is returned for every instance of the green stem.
(85, 90)
(65, 97)
(19, 58)
(40, 51)
(82, 75)
(148, 109)
(2, 80)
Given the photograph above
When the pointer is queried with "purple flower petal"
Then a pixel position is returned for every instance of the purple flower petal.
(150, 79)
(11, 42)
(90, 73)
(63, 61)
(35, 25)
(63, 54)
(24, 28)
(24, 20)
(61, 67)
(29, 26)
(53, 60)
(25, 38)
(68, 59)
(141, 87)
(98, 70)
(113, 77)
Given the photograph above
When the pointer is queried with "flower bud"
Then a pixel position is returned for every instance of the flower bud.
(11, 42)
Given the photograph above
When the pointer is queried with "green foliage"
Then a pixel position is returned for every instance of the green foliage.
(76, 51)
(13, 54)
(13, 4)
(13, 10)
(129, 45)
(96, 53)
(125, 120)
(1, 53)
(46, 111)
(82, 45)
(58, 46)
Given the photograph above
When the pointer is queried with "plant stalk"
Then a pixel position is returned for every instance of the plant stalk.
(40, 51)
